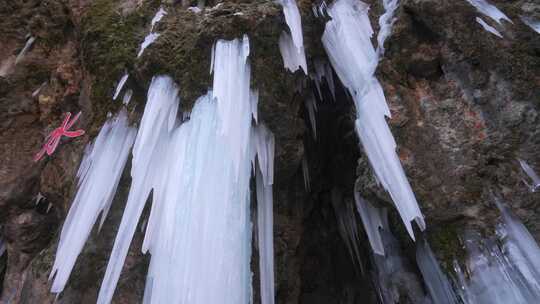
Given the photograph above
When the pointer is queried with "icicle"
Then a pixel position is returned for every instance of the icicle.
(488, 27)
(127, 97)
(292, 46)
(534, 24)
(149, 39)
(293, 58)
(323, 69)
(393, 275)
(534, 183)
(489, 10)
(347, 225)
(311, 107)
(99, 174)
(147, 169)
(264, 180)
(38, 90)
(347, 42)
(305, 172)
(157, 17)
(372, 218)
(386, 21)
(437, 283)
(254, 105)
(120, 85)
(25, 49)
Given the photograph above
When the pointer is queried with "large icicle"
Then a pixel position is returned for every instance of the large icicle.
(372, 218)
(120, 85)
(292, 46)
(437, 283)
(489, 10)
(347, 42)
(264, 145)
(147, 168)
(99, 174)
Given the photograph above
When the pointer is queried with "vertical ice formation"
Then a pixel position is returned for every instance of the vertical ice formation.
(534, 24)
(127, 97)
(392, 273)
(534, 179)
(199, 229)
(323, 69)
(99, 174)
(347, 42)
(311, 107)
(372, 218)
(520, 247)
(504, 268)
(305, 173)
(292, 45)
(25, 49)
(488, 27)
(263, 140)
(386, 21)
(120, 85)
(488, 9)
(347, 225)
(438, 286)
(147, 169)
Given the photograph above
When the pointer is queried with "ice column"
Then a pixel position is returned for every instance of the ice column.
(347, 42)
(263, 140)
(99, 174)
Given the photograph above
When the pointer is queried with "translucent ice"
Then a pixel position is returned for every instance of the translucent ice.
(488, 27)
(264, 179)
(437, 283)
(323, 70)
(99, 174)
(372, 218)
(488, 9)
(347, 225)
(347, 41)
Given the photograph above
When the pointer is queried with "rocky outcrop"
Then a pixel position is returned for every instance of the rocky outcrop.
(465, 105)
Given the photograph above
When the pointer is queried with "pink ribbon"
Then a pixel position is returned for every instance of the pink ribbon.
(53, 139)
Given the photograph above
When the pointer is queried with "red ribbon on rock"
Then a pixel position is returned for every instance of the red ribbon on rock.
(53, 139)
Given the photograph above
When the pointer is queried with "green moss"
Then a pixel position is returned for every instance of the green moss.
(446, 244)
(109, 46)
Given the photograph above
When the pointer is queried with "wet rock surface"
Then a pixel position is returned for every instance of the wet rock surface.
(465, 105)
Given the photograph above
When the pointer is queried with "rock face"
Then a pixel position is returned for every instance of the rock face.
(465, 106)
